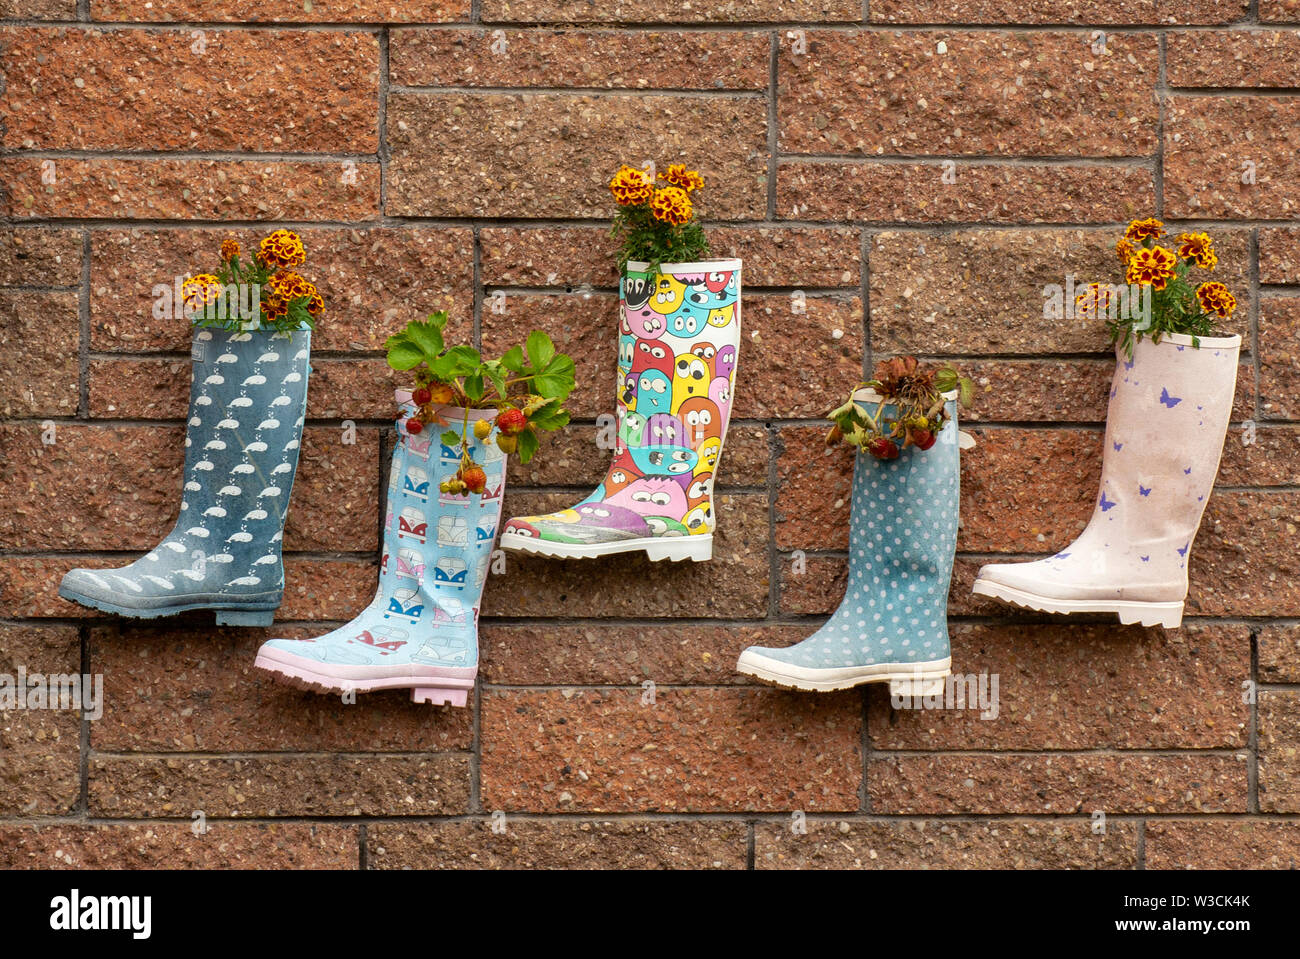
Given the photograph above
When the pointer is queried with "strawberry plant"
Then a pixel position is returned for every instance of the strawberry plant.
(903, 406)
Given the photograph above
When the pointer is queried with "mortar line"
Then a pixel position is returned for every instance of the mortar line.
(1252, 768)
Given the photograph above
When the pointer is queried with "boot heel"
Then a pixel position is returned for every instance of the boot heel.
(439, 696)
(912, 688)
(676, 548)
(245, 617)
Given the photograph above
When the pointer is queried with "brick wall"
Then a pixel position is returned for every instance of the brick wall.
(825, 128)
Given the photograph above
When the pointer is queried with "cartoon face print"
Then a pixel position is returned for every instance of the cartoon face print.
(722, 316)
(690, 378)
(643, 322)
(612, 516)
(626, 346)
(631, 428)
(520, 528)
(665, 526)
(699, 520)
(717, 283)
(636, 291)
(650, 355)
(627, 392)
(652, 496)
(706, 352)
(702, 420)
(669, 293)
(724, 364)
(653, 393)
(688, 321)
(720, 394)
(700, 490)
(710, 450)
(661, 461)
(663, 429)
(618, 478)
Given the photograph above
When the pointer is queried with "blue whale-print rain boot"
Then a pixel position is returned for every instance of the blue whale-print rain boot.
(421, 629)
(892, 625)
(248, 398)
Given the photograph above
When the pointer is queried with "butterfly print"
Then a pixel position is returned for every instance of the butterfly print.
(1167, 400)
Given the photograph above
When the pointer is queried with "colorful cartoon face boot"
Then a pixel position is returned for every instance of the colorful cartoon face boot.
(421, 629)
(679, 337)
(248, 397)
(892, 625)
(1169, 410)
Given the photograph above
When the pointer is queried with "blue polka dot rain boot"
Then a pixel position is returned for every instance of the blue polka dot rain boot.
(892, 625)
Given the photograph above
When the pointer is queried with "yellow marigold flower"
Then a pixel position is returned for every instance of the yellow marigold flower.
(316, 306)
(1093, 301)
(1124, 250)
(1215, 298)
(229, 250)
(679, 176)
(631, 186)
(290, 286)
(275, 309)
(282, 248)
(200, 290)
(1199, 248)
(1140, 230)
(1153, 267)
(671, 205)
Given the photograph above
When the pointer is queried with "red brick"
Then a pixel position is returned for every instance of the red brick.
(1222, 844)
(574, 256)
(1279, 357)
(165, 189)
(39, 337)
(1279, 757)
(1271, 459)
(334, 784)
(1244, 561)
(1028, 94)
(811, 585)
(38, 9)
(692, 750)
(1205, 152)
(1279, 11)
(981, 192)
(373, 281)
(1279, 255)
(1082, 12)
(1177, 689)
(77, 89)
(557, 844)
(1232, 58)
(196, 690)
(945, 844)
(652, 11)
(225, 845)
(733, 585)
(674, 60)
(1058, 784)
(40, 257)
(814, 490)
(607, 654)
(498, 169)
(40, 749)
(1279, 654)
(283, 11)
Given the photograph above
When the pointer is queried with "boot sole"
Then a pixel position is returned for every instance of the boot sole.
(905, 679)
(309, 674)
(228, 614)
(1169, 615)
(674, 548)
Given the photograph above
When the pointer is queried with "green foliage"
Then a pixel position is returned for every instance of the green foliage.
(646, 239)
(1175, 309)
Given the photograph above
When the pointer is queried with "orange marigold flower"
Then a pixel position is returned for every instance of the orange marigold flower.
(1215, 298)
(1124, 249)
(229, 249)
(1153, 267)
(275, 309)
(282, 248)
(316, 306)
(1093, 301)
(631, 186)
(1140, 230)
(679, 176)
(1199, 248)
(671, 205)
(200, 290)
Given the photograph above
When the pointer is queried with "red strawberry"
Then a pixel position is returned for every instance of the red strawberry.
(883, 448)
(421, 396)
(511, 421)
(413, 425)
(923, 439)
(474, 478)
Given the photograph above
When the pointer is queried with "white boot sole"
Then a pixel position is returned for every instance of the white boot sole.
(1169, 615)
(905, 679)
(675, 548)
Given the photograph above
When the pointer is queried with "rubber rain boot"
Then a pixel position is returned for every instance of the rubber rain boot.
(679, 336)
(1169, 410)
(248, 399)
(421, 629)
(892, 625)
